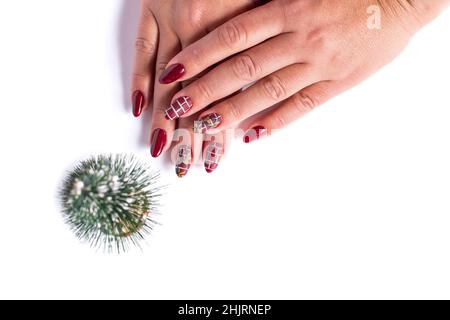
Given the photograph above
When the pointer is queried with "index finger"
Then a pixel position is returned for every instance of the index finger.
(236, 35)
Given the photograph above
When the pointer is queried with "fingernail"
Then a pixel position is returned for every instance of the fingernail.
(138, 103)
(159, 140)
(179, 107)
(254, 134)
(208, 122)
(213, 155)
(172, 73)
(183, 162)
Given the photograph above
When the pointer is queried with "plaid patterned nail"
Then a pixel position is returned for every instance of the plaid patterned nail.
(214, 153)
(179, 107)
(208, 122)
(183, 162)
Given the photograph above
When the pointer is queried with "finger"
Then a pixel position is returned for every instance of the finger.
(293, 108)
(214, 150)
(162, 130)
(182, 153)
(144, 62)
(233, 75)
(236, 35)
(263, 94)
(188, 147)
(215, 147)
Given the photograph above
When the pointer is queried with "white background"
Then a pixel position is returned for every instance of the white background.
(353, 201)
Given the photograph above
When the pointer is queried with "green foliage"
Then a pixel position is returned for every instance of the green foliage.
(110, 201)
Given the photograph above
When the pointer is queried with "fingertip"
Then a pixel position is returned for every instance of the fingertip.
(254, 134)
(213, 155)
(178, 108)
(183, 160)
(138, 102)
(172, 73)
(158, 142)
(181, 172)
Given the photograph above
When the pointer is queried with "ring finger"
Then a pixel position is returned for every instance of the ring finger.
(265, 93)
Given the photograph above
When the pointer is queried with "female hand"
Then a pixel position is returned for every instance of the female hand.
(298, 54)
(166, 27)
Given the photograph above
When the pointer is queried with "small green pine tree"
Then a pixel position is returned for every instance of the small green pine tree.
(110, 201)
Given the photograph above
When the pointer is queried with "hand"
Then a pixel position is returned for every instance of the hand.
(165, 28)
(298, 54)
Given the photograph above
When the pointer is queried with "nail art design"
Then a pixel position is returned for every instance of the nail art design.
(159, 140)
(172, 73)
(179, 107)
(213, 155)
(254, 134)
(138, 103)
(208, 122)
(183, 162)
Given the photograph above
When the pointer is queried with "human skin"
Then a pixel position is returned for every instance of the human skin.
(298, 54)
(165, 28)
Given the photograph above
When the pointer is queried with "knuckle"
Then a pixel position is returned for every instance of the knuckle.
(233, 111)
(323, 41)
(204, 90)
(278, 121)
(304, 102)
(274, 88)
(190, 14)
(294, 8)
(196, 20)
(143, 45)
(245, 68)
(139, 76)
(187, 24)
(232, 34)
(147, 11)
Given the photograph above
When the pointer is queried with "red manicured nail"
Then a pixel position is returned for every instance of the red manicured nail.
(172, 73)
(254, 134)
(179, 107)
(213, 155)
(211, 121)
(159, 140)
(183, 162)
(138, 103)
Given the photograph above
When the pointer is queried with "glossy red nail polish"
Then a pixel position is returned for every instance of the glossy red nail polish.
(172, 73)
(179, 107)
(213, 155)
(159, 140)
(138, 103)
(254, 134)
